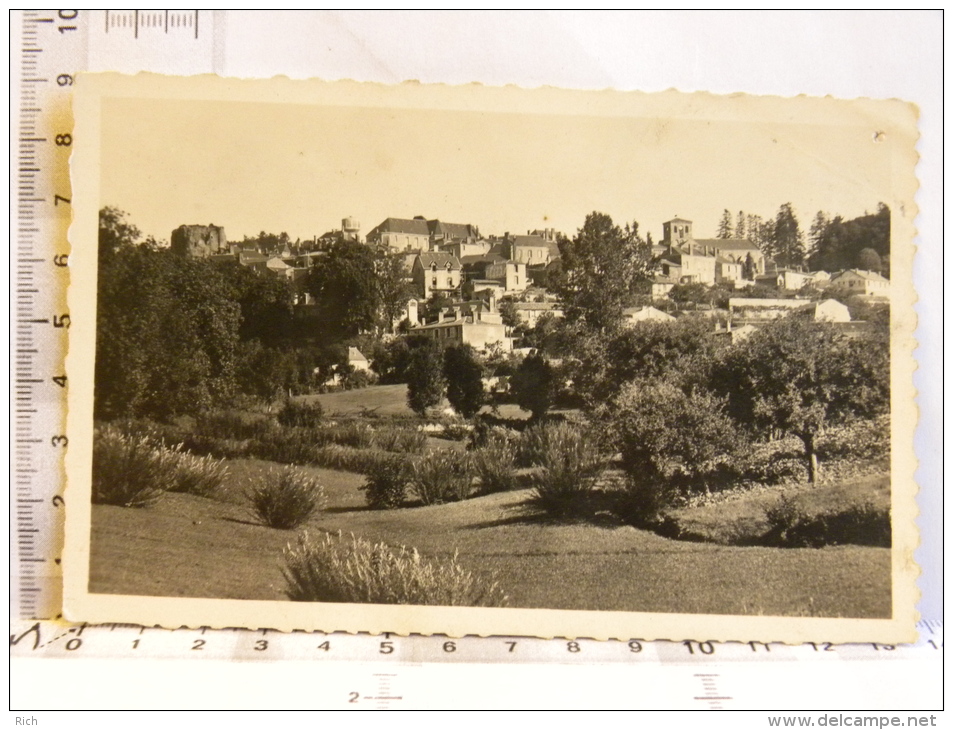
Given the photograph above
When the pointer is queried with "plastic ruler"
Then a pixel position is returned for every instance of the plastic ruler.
(48, 48)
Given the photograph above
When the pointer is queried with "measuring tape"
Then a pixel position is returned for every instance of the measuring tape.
(50, 48)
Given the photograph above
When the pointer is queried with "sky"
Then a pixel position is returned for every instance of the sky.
(301, 168)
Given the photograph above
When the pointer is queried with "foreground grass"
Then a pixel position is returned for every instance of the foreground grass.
(192, 546)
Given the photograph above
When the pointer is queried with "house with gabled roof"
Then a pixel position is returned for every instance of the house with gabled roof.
(401, 234)
(529, 249)
(436, 272)
(860, 281)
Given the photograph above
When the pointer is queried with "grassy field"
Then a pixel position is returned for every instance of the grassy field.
(385, 400)
(194, 546)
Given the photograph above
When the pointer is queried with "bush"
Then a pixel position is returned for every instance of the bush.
(133, 471)
(864, 440)
(399, 440)
(441, 476)
(495, 464)
(285, 498)
(335, 570)
(386, 486)
(300, 413)
(570, 462)
(232, 425)
(198, 475)
(129, 471)
(359, 461)
(854, 524)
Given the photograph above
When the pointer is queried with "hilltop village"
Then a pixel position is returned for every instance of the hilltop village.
(485, 291)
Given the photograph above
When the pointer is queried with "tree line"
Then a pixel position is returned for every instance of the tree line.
(180, 335)
(830, 244)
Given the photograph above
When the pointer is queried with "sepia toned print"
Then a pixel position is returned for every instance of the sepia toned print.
(491, 361)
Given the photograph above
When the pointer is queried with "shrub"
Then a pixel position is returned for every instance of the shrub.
(400, 440)
(360, 461)
(386, 486)
(856, 524)
(133, 471)
(441, 476)
(570, 462)
(863, 440)
(129, 471)
(285, 498)
(198, 475)
(495, 464)
(336, 570)
(300, 413)
(229, 424)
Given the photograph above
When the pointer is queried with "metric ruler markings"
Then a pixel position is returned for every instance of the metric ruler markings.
(133, 641)
(38, 294)
(50, 48)
(143, 21)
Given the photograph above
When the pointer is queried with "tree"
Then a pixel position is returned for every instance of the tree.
(602, 267)
(669, 438)
(799, 376)
(693, 293)
(840, 243)
(869, 260)
(749, 269)
(818, 230)
(464, 375)
(740, 225)
(357, 289)
(534, 385)
(167, 334)
(788, 243)
(724, 225)
(266, 301)
(679, 351)
(425, 379)
(115, 234)
(507, 310)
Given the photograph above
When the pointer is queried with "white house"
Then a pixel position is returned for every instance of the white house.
(858, 281)
(633, 315)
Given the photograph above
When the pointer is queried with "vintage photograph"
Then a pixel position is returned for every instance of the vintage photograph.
(472, 360)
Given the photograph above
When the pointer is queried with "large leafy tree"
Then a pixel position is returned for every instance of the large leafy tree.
(464, 375)
(356, 289)
(167, 330)
(602, 266)
(798, 376)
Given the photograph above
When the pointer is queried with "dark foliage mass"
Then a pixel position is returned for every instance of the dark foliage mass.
(464, 375)
(862, 242)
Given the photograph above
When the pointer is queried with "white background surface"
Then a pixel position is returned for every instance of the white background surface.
(844, 54)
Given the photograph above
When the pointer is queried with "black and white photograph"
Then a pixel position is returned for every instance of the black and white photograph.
(600, 364)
